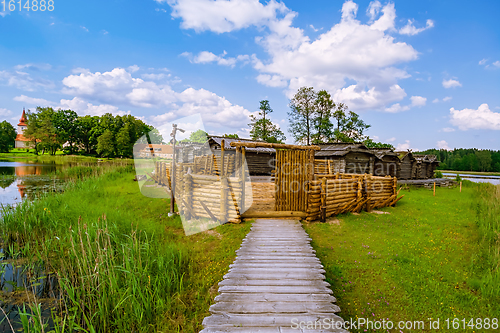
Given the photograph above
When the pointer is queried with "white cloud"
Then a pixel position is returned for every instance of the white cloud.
(373, 9)
(447, 98)
(496, 64)
(35, 67)
(448, 129)
(82, 107)
(314, 29)
(5, 112)
(350, 51)
(409, 28)
(84, 28)
(223, 15)
(3, 14)
(119, 86)
(33, 101)
(482, 118)
(391, 139)
(442, 145)
(403, 146)
(24, 81)
(483, 62)
(418, 100)
(451, 83)
(133, 68)
(206, 57)
(155, 77)
(436, 100)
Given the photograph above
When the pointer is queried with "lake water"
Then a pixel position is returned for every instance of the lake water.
(495, 180)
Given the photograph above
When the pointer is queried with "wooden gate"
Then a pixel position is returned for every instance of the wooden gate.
(294, 169)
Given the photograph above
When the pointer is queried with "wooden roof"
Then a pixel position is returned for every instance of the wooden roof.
(341, 149)
(227, 144)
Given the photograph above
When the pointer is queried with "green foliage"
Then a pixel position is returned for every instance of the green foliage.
(302, 115)
(122, 264)
(231, 136)
(467, 159)
(7, 136)
(263, 128)
(438, 174)
(458, 178)
(368, 142)
(48, 130)
(310, 119)
(199, 136)
(106, 144)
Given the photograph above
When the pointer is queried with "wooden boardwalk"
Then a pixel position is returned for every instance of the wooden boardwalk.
(275, 283)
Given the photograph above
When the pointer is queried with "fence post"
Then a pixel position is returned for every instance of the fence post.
(323, 199)
(188, 190)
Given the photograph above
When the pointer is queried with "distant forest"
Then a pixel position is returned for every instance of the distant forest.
(467, 159)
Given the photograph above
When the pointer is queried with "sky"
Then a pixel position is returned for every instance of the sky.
(424, 74)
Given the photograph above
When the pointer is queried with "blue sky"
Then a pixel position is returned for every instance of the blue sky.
(424, 74)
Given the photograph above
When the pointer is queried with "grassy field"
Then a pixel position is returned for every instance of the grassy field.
(123, 264)
(429, 257)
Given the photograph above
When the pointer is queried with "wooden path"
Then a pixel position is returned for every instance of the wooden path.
(275, 283)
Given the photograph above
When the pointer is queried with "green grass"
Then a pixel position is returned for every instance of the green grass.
(431, 257)
(123, 264)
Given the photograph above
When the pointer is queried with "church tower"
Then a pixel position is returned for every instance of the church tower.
(21, 141)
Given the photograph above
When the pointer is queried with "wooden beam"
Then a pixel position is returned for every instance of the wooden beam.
(208, 211)
(272, 145)
(273, 214)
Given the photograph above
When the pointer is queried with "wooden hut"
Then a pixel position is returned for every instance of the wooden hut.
(421, 167)
(387, 162)
(433, 164)
(347, 157)
(260, 161)
(408, 166)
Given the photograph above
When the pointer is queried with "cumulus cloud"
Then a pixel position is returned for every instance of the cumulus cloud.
(451, 83)
(83, 107)
(349, 51)
(448, 129)
(34, 67)
(5, 112)
(482, 118)
(24, 81)
(403, 146)
(119, 86)
(33, 101)
(410, 29)
(223, 15)
(445, 99)
(442, 145)
(416, 101)
(206, 57)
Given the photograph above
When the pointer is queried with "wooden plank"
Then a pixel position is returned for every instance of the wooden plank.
(272, 214)
(269, 297)
(274, 307)
(271, 145)
(229, 319)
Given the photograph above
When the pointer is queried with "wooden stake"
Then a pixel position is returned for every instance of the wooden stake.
(460, 187)
(323, 200)
(434, 188)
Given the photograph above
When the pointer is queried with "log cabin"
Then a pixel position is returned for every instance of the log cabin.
(260, 161)
(387, 162)
(408, 166)
(347, 157)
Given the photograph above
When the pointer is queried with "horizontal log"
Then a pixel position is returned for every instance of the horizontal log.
(273, 214)
(272, 145)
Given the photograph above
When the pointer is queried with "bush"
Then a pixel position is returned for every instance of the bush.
(438, 174)
(458, 178)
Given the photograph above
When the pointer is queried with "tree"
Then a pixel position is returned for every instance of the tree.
(350, 127)
(105, 144)
(322, 124)
(199, 136)
(263, 128)
(231, 136)
(369, 143)
(7, 136)
(123, 143)
(65, 123)
(302, 114)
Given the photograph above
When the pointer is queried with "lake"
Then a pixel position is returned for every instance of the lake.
(495, 180)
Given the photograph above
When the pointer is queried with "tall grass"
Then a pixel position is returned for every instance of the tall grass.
(487, 206)
(122, 264)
